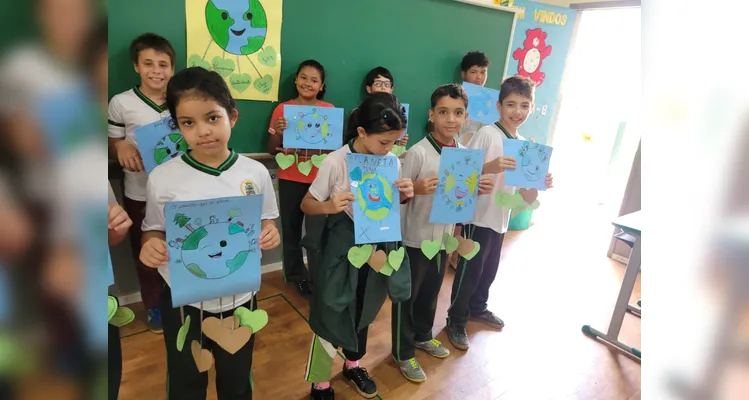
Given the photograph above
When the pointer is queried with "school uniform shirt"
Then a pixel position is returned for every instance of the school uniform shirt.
(487, 214)
(292, 173)
(333, 177)
(422, 161)
(185, 179)
(128, 111)
(467, 132)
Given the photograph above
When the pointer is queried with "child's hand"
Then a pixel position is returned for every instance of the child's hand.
(279, 125)
(502, 163)
(129, 156)
(118, 219)
(271, 131)
(154, 252)
(285, 151)
(340, 201)
(402, 141)
(269, 237)
(549, 181)
(406, 186)
(425, 186)
(486, 184)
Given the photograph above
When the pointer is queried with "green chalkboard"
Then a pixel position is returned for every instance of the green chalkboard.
(420, 41)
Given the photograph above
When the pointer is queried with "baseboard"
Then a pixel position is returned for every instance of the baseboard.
(132, 298)
(621, 259)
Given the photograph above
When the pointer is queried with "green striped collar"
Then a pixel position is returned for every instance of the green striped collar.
(210, 170)
(159, 108)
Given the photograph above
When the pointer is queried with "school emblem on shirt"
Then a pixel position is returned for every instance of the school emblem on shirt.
(248, 188)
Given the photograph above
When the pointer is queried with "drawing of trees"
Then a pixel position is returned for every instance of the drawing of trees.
(183, 221)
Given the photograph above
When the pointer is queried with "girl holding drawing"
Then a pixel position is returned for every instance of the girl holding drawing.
(293, 184)
(346, 299)
(203, 110)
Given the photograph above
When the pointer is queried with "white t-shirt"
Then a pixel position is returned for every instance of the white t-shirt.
(333, 177)
(127, 111)
(179, 180)
(421, 161)
(487, 214)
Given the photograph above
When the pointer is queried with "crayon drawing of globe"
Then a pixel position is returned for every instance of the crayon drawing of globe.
(373, 193)
(460, 184)
(237, 26)
(170, 146)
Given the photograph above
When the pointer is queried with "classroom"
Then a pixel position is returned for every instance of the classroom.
(264, 317)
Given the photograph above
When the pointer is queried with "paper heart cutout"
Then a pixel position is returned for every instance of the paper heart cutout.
(509, 201)
(430, 248)
(305, 167)
(466, 247)
(112, 307)
(122, 317)
(377, 260)
(255, 320)
(240, 82)
(358, 256)
(224, 67)
(317, 159)
(528, 195)
(203, 358)
(534, 205)
(398, 150)
(182, 333)
(476, 248)
(197, 61)
(395, 258)
(285, 161)
(451, 243)
(264, 84)
(267, 57)
(221, 332)
(387, 270)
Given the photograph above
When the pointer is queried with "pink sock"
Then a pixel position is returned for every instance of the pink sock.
(322, 385)
(351, 364)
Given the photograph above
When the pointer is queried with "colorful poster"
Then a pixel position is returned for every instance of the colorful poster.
(213, 247)
(458, 188)
(158, 143)
(377, 205)
(239, 39)
(482, 103)
(532, 163)
(315, 128)
(538, 51)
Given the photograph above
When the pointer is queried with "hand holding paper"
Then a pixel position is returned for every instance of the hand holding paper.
(406, 186)
(269, 236)
(486, 184)
(154, 253)
(426, 186)
(340, 201)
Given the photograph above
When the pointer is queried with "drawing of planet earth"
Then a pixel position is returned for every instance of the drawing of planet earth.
(216, 250)
(373, 193)
(480, 105)
(461, 184)
(237, 26)
(170, 146)
(312, 127)
(533, 157)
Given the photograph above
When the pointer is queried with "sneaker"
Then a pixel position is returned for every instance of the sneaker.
(364, 384)
(322, 394)
(488, 318)
(434, 347)
(412, 370)
(304, 288)
(458, 337)
(154, 320)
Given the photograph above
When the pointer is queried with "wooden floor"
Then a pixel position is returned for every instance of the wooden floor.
(552, 280)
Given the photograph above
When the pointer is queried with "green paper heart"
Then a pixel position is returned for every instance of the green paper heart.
(240, 83)
(122, 317)
(264, 84)
(317, 159)
(112, 305)
(267, 57)
(197, 61)
(430, 248)
(395, 258)
(509, 201)
(305, 167)
(398, 150)
(357, 256)
(387, 269)
(473, 253)
(182, 333)
(255, 320)
(450, 242)
(534, 205)
(222, 66)
(285, 161)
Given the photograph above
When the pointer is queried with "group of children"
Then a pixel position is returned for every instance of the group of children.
(344, 300)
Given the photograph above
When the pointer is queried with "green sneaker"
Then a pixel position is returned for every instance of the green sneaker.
(412, 370)
(434, 347)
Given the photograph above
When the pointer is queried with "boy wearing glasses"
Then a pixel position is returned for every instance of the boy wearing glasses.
(379, 79)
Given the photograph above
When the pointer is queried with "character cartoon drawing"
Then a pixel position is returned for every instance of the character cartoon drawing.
(312, 127)
(460, 183)
(532, 156)
(531, 56)
(237, 26)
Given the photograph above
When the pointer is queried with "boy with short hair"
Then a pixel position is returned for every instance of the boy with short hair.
(378, 79)
(474, 68)
(153, 59)
(473, 278)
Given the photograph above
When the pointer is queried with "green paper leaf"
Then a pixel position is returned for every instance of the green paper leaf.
(473, 253)
(509, 201)
(197, 61)
(398, 150)
(317, 159)
(450, 242)
(224, 67)
(122, 317)
(182, 333)
(305, 167)
(285, 161)
(264, 84)
(534, 205)
(430, 248)
(267, 57)
(358, 256)
(240, 82)
(112, 305)
(387, 270)
(395, 258)
(255, 320)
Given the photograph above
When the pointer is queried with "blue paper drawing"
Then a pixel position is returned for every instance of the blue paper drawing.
(68, 118)
(532, 161)
(310, 127)
(458, 188)
(158, 143)
(213, 247)
(482, 103)
(377, 204)
(405, 107)
(97, 272)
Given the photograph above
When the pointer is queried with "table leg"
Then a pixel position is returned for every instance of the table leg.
(628, 284)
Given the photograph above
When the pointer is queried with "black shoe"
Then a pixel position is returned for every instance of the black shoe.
(304, 288)
(364, 384)
(322, 394)
(488, 318)
(458, 337)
